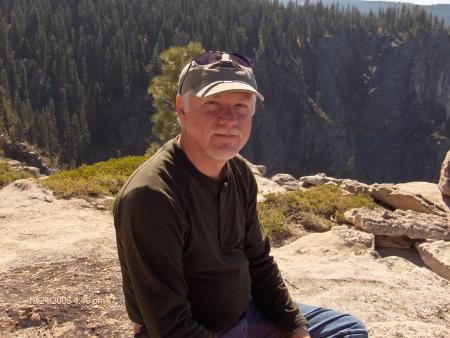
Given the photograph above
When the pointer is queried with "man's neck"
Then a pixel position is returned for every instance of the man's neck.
(209, 167)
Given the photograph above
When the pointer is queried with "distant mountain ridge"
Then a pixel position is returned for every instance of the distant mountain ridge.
(442, 11)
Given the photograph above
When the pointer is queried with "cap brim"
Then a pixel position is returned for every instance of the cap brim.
(217, 87)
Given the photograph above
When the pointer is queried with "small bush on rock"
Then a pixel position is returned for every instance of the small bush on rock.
(99, 179)
(316, 209)
(329, 201)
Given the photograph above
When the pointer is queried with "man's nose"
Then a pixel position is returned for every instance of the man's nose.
(228, 116)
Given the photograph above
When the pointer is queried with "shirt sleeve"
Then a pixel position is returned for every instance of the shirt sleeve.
(269, 291)
(150, 235)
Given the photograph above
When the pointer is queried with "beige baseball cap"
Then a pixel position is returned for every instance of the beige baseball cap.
(222, 76)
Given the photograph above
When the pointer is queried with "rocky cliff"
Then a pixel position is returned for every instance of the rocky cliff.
(375, 109)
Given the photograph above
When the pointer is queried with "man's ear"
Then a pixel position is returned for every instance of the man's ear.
(180, 108)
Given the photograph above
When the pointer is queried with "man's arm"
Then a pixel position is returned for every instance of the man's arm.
(268, 288)
(150, 232)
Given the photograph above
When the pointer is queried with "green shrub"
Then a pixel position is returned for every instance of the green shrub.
(8, 174)
(316, 209)
(273, 221)
(99, 179)
(328, 201)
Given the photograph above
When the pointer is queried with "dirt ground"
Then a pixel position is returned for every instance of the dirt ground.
(59, 273)
(79, 298)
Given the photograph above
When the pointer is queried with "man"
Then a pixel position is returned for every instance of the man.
(194, 260)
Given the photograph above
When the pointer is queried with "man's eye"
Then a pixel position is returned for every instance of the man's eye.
(241, 105)
(212, 103)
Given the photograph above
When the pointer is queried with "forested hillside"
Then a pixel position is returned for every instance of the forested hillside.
(345, 93)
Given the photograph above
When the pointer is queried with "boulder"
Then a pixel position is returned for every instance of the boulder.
(400, 223)
(287, 181)
(398, 197)
(444, 181)
(22, 153)
(426, 191)
(354, 186)
(351, 186)
(266, 186)
(31, 189)
(318, 179)
(338, 240)
(436, 255)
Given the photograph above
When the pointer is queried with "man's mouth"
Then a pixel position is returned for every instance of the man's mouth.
(227, 135)
(230, 134)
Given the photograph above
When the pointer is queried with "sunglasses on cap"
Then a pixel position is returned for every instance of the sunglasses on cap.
(211, 58)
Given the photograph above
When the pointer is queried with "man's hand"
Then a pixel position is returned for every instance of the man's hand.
(300, 333)
(303, 334)
(136, 327)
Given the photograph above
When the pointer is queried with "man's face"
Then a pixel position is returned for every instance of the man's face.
(216, 127)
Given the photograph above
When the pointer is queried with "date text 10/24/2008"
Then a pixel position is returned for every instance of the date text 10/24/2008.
(62, 300)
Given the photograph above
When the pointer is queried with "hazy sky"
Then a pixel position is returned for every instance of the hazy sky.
(421, 2)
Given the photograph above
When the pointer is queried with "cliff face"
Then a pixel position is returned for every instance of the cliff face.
(373, 110)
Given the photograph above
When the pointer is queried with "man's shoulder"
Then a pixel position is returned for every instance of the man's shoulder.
(159, 176)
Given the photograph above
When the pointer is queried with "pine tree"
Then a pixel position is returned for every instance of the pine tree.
(164, 89)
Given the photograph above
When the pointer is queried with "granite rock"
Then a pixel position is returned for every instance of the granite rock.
(287, 181)
(266, 186)
(406, 198)
(337, 240)
(436, 255)
(407, 223)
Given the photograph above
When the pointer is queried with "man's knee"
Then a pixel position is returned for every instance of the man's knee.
(325, 322)
(357, 328)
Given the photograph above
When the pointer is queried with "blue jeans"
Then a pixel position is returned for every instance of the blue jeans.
(323, 323)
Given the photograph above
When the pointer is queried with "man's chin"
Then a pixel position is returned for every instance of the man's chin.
(223, 154)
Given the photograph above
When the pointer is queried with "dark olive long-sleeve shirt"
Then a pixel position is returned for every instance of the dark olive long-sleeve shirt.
(192, 251)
